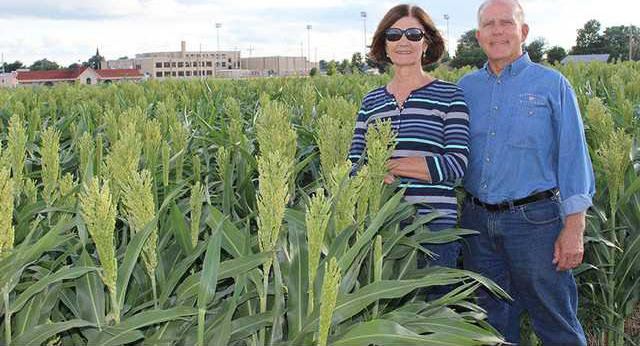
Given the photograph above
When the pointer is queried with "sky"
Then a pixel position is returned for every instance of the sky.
(69, 31)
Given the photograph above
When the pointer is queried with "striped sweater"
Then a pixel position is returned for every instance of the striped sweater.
(433, 123)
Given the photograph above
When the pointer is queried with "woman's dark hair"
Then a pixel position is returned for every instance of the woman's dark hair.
(433, 38)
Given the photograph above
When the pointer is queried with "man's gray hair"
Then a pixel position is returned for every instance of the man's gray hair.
(519, 12)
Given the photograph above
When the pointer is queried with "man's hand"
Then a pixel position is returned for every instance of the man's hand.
(569, 249)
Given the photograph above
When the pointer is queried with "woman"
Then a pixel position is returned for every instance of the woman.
(430, 119)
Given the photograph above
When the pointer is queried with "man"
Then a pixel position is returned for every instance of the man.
(529, 182)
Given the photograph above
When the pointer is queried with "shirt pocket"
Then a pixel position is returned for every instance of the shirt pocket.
(530, 121)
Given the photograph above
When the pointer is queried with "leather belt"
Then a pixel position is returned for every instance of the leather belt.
(504, 206)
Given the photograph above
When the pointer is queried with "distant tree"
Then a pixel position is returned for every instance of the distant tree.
(123, 58)
(444, 59)
(313, 72)
(344, 67)
(44, 64)
(536, 49)
(382, 67)
(356, 62)
(322, 64)
(616, 39)
(468, 51)
(555, 54)
(74, 66)
(16, 65)
(589, 40)
(332, 68)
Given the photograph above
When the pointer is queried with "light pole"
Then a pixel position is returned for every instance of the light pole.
(218, 26)
(363, 14)
(446, 18)
(308, 46)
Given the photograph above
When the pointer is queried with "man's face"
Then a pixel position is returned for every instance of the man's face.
(499, 33)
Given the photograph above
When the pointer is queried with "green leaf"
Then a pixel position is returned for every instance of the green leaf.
(245, 326)
(130, 258)
(211, 266)
(128, 330)
(384, 332)
(365, 238)
(298, 277)
(62, 274)
(38, 335)
(178, 272)
(180, 229)
(90, 297)
(233, 240)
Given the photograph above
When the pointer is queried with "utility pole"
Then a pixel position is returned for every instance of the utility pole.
(446, 18)
(308, 47)
(363, 14)
(218, 26)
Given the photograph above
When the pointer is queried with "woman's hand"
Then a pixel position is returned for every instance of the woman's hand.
(389, 179)
(410, 167)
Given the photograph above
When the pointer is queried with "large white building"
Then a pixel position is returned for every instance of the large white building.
(181, 64)
(221, 64)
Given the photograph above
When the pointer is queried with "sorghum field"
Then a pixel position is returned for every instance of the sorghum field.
(223, 212)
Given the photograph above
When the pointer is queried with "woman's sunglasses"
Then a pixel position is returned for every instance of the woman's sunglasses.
(412, 34)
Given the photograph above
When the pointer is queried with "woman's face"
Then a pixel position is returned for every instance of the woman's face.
(405, 52)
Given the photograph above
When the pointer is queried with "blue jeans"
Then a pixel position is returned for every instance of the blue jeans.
(514, 248)
(444, 255)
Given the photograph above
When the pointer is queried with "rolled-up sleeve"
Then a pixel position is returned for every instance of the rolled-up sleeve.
(575, 172)
(452, 164)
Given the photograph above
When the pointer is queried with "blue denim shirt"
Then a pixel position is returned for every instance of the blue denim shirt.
(526, 136)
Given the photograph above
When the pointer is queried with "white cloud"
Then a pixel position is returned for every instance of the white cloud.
(69, 30)
(70, 9)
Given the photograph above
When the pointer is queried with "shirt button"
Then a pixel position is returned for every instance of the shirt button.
(492, 133)
(530, 112)
(484, 186)
(488, 159)
(495, 108)
(499, 81)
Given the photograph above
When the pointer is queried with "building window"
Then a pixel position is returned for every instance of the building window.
(188, 73)
(173, 64)
(180, 74)
(89, 81)
(224, 64)
(138, 67)
(229, 59)
(209, 73)
(167, 73)
(187, 64)
(173, 73)
(158, 74)
(208, 63)
(167, 65)
(217, 63)
(158, 65)
(180, 64)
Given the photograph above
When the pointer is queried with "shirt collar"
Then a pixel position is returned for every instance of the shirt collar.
(514, 68)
